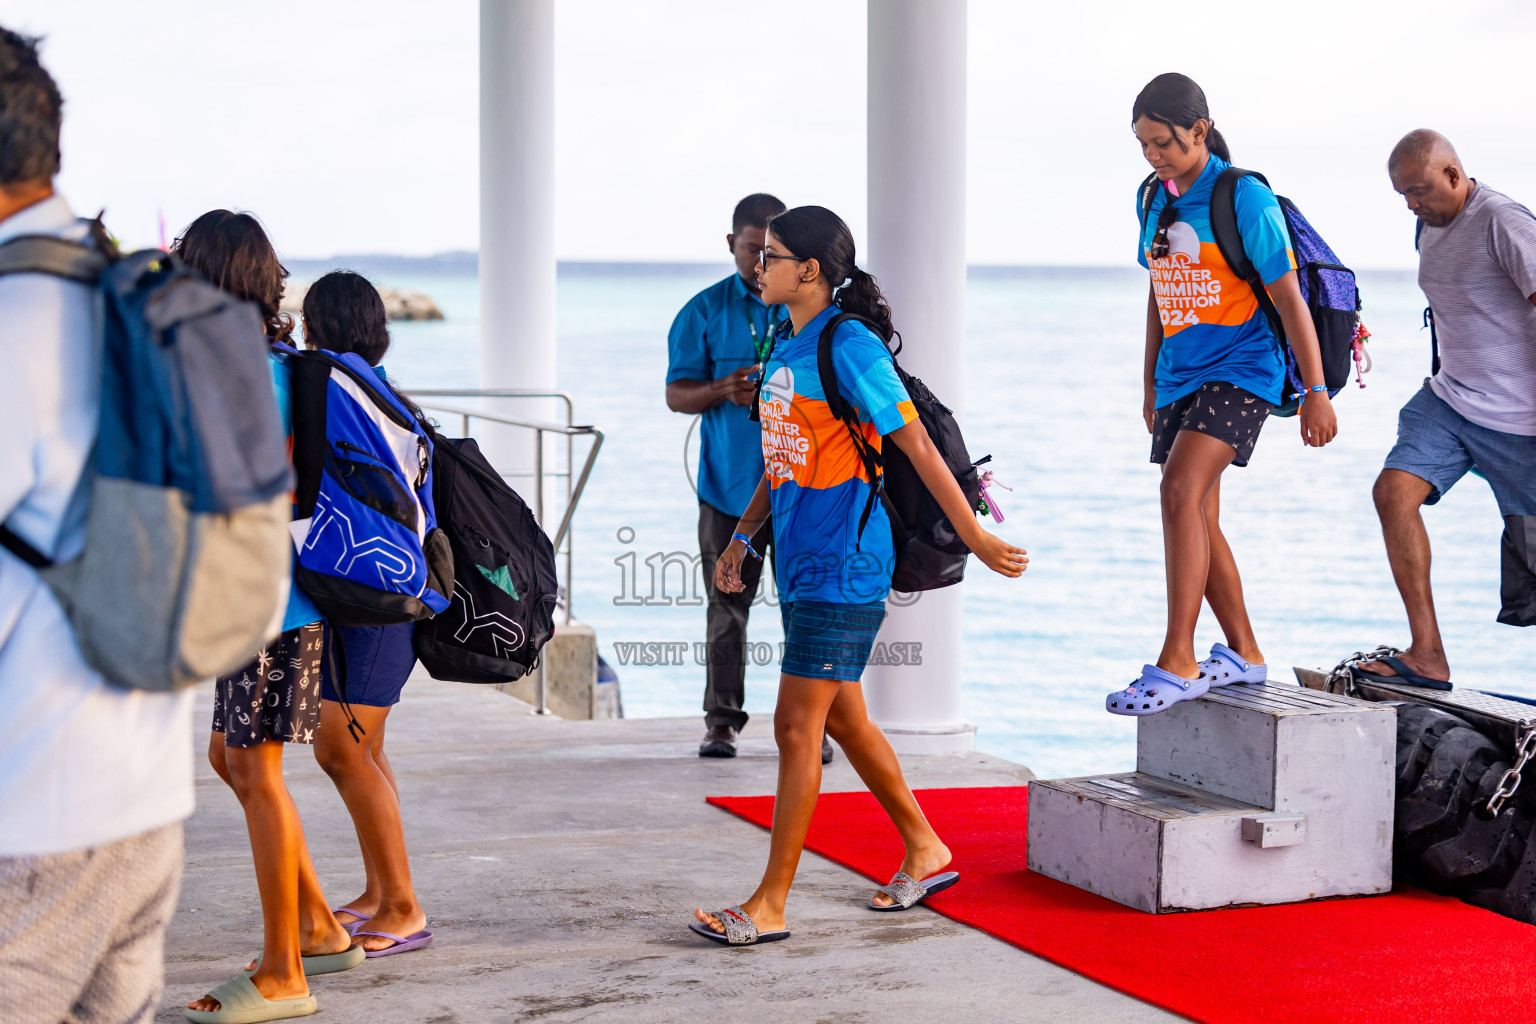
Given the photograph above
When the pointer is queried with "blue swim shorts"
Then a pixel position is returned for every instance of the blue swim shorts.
(1439, 445)
(379, 660)
(823, 640)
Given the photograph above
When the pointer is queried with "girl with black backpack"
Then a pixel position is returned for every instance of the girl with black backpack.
(344, 313)
(1213, 373)
(834, 579)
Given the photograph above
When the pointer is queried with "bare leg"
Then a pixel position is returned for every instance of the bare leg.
(799, 721)
(1194, 466)
(367, 788)
(870, 753)
(1224, 587)
(279, 855)
(318, 933)
(1399, 495)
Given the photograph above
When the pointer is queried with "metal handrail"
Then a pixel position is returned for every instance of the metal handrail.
(575, 484)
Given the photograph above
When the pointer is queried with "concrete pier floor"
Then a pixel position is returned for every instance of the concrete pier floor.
(559, 863)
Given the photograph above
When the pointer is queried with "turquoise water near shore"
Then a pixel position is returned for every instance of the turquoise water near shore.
(1053, 392)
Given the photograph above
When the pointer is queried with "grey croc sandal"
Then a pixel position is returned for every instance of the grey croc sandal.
(908, 892)
(739, 929)
(326, 963)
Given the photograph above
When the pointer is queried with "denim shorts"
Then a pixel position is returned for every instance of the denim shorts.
(823, 640)
(1439, 445)
(379, 660)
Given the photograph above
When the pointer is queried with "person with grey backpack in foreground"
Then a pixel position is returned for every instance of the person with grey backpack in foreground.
(143, 550)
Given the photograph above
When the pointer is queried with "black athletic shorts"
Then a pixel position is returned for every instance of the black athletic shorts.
(1220, 410)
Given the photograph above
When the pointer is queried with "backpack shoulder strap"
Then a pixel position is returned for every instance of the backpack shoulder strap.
(1418, 233)
(874, 463)
(57, 257)
(308, 390)
(1229, 240)
(1148, 193)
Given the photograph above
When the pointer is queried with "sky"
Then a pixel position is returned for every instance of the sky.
(351, 127)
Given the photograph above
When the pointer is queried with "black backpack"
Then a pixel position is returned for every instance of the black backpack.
(504, 587)
(929, 554)
(1327, 285)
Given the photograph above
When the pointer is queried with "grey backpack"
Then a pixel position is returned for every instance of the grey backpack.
(185, 570)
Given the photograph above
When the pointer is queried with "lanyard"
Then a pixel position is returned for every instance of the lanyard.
(761, 346)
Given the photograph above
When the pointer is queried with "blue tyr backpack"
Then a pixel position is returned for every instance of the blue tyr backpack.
(372, 554)
(1327, 285)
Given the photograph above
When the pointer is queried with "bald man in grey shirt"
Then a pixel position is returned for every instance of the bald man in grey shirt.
(1477, 266)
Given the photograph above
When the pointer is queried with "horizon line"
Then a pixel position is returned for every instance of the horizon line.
(463, 260)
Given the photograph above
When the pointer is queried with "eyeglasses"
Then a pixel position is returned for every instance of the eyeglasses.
(764, 256)
(1165, 220)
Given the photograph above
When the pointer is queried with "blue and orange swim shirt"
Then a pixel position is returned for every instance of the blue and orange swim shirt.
(1213, 327)
(817, 480)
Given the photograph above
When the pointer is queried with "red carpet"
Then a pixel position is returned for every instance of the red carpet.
(1406, 957)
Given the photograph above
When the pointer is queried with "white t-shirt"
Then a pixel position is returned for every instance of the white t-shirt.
(82, 763)
(1479, 272)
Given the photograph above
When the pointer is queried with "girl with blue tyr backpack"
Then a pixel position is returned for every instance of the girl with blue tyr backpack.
(1220, 314)
(343, 313)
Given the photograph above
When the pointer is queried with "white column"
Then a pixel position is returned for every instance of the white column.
(517, 215)
(916, 247)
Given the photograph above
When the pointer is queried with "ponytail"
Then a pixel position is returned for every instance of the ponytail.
(860, 294)
(1176, 101)
(1217, 144)
(815, 232)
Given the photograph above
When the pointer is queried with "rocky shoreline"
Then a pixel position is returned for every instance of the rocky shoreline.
(399, 303)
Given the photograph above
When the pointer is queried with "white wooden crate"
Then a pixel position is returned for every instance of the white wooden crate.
(1254, 794)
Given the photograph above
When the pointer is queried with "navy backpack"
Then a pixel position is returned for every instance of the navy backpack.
(1327, 285)
(372, 554)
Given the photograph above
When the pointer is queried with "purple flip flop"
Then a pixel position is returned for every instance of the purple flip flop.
(352, 926)
(420, 940)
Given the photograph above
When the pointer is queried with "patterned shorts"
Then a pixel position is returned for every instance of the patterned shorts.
(1220, 410)
(276, 696)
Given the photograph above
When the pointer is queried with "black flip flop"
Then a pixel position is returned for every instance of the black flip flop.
(908, 893)
(1405, 675)
(739, 929)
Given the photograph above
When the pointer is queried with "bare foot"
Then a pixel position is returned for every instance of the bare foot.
(1184, 670)
(270, 987)
(1429, 664)
(919, 865)
(404, 922)
(320, 942)
(1252, 655)
(366, 904)
(765, 919)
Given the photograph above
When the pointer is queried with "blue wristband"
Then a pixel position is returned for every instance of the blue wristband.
(748, 542)
(1315, 387)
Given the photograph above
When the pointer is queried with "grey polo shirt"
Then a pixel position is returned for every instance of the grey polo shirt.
(1479, 272)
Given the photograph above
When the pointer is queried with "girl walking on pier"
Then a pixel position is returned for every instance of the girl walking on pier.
(1213, 373)
(343, 313)
(272, 701)
(835, 580)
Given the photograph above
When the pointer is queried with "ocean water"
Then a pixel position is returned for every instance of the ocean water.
(1053, 392)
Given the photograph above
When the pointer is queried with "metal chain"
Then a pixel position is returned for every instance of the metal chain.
(1342, 678)
(1510, 782)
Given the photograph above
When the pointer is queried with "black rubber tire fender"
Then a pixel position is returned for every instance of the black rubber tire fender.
(1442, 799)
(1483, 853)
(1419, 728)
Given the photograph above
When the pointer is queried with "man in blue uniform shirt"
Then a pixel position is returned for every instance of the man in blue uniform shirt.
(716, 348)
